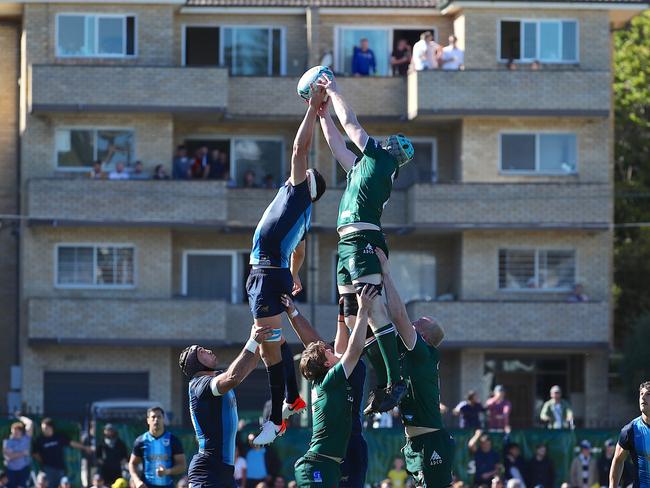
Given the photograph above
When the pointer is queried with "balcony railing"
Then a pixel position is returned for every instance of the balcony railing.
(503, 92)
(445, 206)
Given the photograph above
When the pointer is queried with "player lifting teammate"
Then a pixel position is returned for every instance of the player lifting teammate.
(277, 255)
(635, 440)
(429, 449)
(369, 184)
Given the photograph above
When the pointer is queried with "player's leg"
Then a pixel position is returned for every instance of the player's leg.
(438, 454)
(316, 472)
(293, 403)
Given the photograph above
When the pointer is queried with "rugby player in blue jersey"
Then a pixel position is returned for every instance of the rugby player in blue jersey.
(160, 453)
(213, 409)
(635, 442)
(276, 257)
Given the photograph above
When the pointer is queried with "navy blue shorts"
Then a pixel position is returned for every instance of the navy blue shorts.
(264, 287)
(355, 463)
(207, 472)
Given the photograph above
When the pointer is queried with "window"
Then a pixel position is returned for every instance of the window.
(88, 266)
(536, 269)
(264, 157)
(549, 41)
(421, 170)
(82, 35)
(213, 275)
(247, 51)
(78, 148)
(539, 153)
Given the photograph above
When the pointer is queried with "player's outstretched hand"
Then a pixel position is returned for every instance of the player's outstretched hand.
(288, 303)
(328, 84)
(366, 297)
(324, 108)
(318, 95)
(297, 285)
(383, 260)
(259, 333)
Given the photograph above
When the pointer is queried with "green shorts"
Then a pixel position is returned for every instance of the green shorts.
(357, 255)
(313, 470)
(429, 458)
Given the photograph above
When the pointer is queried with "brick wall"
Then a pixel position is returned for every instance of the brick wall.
(480, 262)
(481, 34)
(480, 148)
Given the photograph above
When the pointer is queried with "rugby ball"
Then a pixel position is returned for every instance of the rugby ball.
(310, 77)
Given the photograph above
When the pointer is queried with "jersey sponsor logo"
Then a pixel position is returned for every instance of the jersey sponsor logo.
(435, 459)
(368, 249)
(165, 442)
(351, 263)
(264, 262)
(409, 417)
(318, 478)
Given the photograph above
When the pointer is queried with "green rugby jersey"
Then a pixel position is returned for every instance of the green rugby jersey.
(368, 186)
(420, 369)
(332, 414)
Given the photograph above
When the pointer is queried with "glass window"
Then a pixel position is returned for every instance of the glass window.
(253, 51)
(536, 269)
(261, 157)
(517, 269)
(101, 266)
(549, 41)
(201, 46)
(530, 40)
(557, 153)
(558, 40)
(79, 148)
(518, 152)
(95, 35)
(557, 269)
(510, 44)
(569, 41)
(378, 43)
(414, 274)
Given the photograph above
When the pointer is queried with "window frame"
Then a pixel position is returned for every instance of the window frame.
(235, 273)
(95, 129)
(391, 28)
(418, 140)
(222, 26)
(97, 16)
(94, 245)
(537, 22)
(537, 171)
(537, 251)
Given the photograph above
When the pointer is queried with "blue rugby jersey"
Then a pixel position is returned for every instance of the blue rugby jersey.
(283, 225)
(214, 418)
(157, 451)
(635, 438)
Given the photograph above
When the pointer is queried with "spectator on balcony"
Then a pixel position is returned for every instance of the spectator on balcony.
(201, 164)
(401, 58)
(138, 172)
(159, 173)
(469, 412)
(181, 165)
(249, 179)
(426, 52)
(97, 173)
(217, 168)
(556, 412)
(118, 173)
(498, 410)
(16, 451)
(540, 470)
(535, 66)
(511, 66)
(363, 60)
(453, 58)
(269, 182)
(577, 295)
(486, 460)
(584, 471)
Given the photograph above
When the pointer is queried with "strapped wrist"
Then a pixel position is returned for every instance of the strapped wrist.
(295, 313)
(251, 346)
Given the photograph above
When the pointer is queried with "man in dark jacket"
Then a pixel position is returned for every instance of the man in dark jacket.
(111, 455)
(540, 470)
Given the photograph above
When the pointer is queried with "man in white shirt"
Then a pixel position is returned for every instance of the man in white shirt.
(452, 57)
(426, 52)
(118, 173)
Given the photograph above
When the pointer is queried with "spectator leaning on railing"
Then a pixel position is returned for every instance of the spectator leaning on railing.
(556, 412)
(498, 410)
(453, 58)
(363, 60)
(469, 411)
(401, 58)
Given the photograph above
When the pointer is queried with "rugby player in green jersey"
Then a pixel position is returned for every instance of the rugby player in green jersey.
(369, 184)
(429, 449)
(332, 395)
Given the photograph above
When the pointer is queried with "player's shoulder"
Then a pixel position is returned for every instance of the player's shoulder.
(141, 439)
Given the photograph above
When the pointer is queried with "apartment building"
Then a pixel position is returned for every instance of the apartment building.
(507, 206)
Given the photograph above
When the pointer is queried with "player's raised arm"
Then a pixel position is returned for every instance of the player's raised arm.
(616, 470)
(346, 115)
(304, 136)
(396, 308)
(342, 332)
(305, 331)
(357, 340)
(335, 141)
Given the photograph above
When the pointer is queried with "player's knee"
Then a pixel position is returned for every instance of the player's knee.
(350, 305)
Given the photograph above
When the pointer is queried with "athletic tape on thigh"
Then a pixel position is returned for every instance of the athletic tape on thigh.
(350, 305)
(359, 287)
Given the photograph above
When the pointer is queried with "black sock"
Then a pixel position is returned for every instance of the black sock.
(289, 373)
(276, 382)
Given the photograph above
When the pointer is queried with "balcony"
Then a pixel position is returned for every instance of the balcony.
(80, 88)
(273, 97)
(519, 324)
(436, 206)
(160, 322)
(502, 92)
